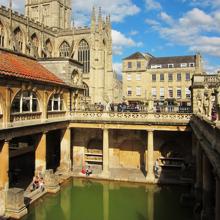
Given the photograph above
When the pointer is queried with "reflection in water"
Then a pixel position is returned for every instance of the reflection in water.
(86, 200)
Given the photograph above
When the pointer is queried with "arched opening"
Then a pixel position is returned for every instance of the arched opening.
(35, 43)
(47, 50)
(84, 55)
(25, 101)
(86, 89)
(64, 49)
(19, 39)
(55, 103)
(2, 35)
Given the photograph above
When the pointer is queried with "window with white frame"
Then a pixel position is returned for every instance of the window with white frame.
(129, 65)
(129, 91)
(188, 93)
(157, 66)
(187, 76)
(55, 103)
(25, 102)
(170, 65)
(128, 76)
(154, 92)
(178, 93)
(138, 76)
(182, 65)
(138, 91)
(170, 92)
(162, 93)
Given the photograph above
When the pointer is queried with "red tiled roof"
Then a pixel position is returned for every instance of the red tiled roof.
(19, 66)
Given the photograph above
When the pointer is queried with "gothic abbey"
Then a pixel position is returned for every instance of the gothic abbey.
(45, 32)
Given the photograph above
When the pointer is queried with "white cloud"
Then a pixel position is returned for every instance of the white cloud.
(197, 30)
(17, 5)
(152, 5)
(120, 41)
(152, 22)
(117, 67)
(166, 18)
(119, 9)
(133, 33)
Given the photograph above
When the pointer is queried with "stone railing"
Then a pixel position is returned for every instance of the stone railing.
(134, 117)
(211, 79)
(56, 114)
(22, 117)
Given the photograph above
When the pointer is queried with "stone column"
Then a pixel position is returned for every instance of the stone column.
(207, 212)
(217, 198)
(40, 153)
(4, 164)
(65, 146)
(105, 171)
(150, 157)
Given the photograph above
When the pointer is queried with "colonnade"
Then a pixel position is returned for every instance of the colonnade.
(40, 155)
(207, 186)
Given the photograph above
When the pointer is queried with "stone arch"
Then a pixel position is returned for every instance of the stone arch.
(19, 39)
(2, 35)
(25, 99)
(64, 49)
(56, 97)
(86, 89)
(48, 48)
(132, 153)
(84, 55)
(35, 44)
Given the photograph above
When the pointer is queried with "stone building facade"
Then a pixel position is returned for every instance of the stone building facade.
(46, 32)
(163, 81)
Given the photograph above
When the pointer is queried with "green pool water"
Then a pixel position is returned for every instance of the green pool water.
(87, 200)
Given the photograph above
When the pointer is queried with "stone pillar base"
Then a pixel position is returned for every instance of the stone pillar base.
(150, 178)
(51, 182)
(2, 202)
(15, 207)
(105, 175)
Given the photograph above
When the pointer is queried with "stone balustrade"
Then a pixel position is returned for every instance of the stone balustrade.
(56, 114)
(22, 117)
(131, 117)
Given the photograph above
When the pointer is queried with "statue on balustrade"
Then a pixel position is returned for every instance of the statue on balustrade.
(199, 99)
(207, 102)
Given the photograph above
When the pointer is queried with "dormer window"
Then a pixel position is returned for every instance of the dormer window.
(156, 66)
(170, 65)
(182, 65)
(191, 64)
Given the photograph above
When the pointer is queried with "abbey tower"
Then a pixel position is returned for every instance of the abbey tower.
(46, 32)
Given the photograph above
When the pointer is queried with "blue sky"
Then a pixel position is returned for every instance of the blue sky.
(160, 27)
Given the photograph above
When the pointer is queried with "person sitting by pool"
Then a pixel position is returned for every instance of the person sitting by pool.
(88, 171)
(35, 184)
(83, 171)
(41, 184)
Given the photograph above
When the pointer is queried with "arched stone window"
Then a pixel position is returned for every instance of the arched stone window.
(64, 49)
(55, 103)
(25, 102)
(19, 38)
(35, 44)
(84, 55)
(86, 90)
(47, 50)
(2, 35)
